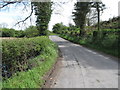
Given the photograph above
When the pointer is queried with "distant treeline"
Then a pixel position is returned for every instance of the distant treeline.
(28, 32)
(110, 24)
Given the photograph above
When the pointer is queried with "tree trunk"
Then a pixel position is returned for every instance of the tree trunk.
(98, 12)
(82, 32)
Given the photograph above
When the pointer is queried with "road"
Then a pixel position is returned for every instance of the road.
(84, 68)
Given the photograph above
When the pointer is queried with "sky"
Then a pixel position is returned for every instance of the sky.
(9, 17)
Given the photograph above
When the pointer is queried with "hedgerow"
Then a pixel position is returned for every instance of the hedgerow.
(105, 40)
(17, 52)
(108, 41)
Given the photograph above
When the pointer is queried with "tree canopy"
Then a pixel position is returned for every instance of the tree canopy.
(82, 9)
(43, 12)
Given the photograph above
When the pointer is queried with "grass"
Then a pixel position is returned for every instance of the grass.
(111, 51)
(34, 78)
(51, 33)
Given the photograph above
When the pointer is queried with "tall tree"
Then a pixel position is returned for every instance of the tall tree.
(99, 6)
(81, 10)
(43, 13)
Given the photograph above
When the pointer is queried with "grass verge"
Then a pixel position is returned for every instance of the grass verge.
(34, 78)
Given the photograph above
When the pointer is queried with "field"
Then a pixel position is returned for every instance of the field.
(7, 38)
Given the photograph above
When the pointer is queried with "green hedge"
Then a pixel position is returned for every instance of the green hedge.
(108, 44)
(33, 78)
(6, 32)
(17, 52)
(31, 31)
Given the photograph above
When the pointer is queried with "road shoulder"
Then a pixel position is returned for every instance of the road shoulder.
(51, 76)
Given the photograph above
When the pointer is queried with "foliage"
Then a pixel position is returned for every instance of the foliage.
(59, 28)
(33, 78)
(99, 6)
(16, 52)
(106, 41)
(11, 33)
(81, 10)
(111, 24)
(7, 32)
(19, 34)
(31, 31)
(43, 13)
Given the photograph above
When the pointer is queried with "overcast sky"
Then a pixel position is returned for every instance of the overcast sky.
(8, 18)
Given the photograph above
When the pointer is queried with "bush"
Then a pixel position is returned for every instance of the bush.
(110, 41)
(33, 77)
(31, 31)
(19, 34)
(17, 52)
(28, 32)
(107, 40)
(7, 32)
(59, 28)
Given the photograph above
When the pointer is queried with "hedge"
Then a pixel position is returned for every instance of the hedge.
(17, 52)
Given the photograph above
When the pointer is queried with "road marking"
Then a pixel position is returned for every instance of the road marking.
(91, 51)
(103, 56)
(61, 46)
(97, 54)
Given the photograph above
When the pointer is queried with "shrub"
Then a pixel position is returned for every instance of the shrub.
(19, 34)
(17, 52)
(33, 77)
(59, 28)
(31, 31)
(107, 40)
(28, 32)
(7, 32)
(110, 41)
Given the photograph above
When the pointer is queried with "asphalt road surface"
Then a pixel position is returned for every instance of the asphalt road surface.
(84, 68)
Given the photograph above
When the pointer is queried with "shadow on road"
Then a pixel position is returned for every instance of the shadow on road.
(84, 56)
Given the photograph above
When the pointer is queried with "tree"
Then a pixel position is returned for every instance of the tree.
(7, 32)
(81, 10)
(31, 31)
(99, 6)
(59, 28)
(43, 13)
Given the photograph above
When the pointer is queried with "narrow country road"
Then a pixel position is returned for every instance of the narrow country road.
(84, 68)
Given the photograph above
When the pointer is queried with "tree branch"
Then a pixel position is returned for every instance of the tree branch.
(26, 17)
(6, 3)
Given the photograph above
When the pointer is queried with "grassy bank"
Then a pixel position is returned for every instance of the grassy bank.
(41, 64)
